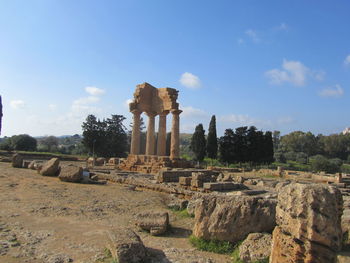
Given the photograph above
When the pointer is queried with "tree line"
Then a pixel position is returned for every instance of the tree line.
(244, 145)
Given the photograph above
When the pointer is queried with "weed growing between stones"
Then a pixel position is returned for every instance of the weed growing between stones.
(216, 246)
(181, 213)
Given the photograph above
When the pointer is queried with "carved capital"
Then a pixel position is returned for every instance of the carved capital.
(176, 112)
(151, 114)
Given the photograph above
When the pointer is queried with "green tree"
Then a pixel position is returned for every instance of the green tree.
(50, 142)
(226, 147)
(321, 163)
(23, 142)
(212, 139)
(268, 148)
(107, 137)
(91, 136)
(116, 137)
(299, 141)
(198, 143)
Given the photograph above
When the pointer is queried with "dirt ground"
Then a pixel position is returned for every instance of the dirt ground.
(45, 220)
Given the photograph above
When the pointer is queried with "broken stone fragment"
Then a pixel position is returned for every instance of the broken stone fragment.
(126, 246)
(70, 173)
(51, 167)
(156, 223)
(17, 160)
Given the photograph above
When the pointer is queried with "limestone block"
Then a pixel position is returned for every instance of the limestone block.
(309, 224)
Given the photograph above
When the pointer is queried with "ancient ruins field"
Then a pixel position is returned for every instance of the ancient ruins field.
(43, 219)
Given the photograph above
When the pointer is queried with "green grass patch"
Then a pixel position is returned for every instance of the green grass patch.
(235, 255)
(220, 247)
(181, 213)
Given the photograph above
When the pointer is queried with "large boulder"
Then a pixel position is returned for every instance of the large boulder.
(232, 218)
(126, 246)
(71, 173)
(17, 160)
(156, 223)
(51, 167)
(257, 246)
(308, 228)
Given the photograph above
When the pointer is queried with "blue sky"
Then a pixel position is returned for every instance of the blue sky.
(278, 65)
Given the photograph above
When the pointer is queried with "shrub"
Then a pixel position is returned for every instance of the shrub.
(321, 163)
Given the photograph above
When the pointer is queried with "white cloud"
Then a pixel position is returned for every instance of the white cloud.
(191, 112)
(243, 120)
(293, 72)
(253, 35)
(83, 106)
(334, 92)
(86, 100)
(347, 60)
(94, 91)
(17, 104)
(190, 81)
(52, 107)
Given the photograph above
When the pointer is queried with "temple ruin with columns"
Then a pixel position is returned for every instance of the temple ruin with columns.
(154, 102)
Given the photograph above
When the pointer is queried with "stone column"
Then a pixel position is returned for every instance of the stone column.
(135, 136)
(175, 134)
(150, 147)
(161, 143)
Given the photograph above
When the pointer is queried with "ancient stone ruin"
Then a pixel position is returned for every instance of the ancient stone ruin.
(154, 102)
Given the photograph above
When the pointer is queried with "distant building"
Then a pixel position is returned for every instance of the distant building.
(346, 131)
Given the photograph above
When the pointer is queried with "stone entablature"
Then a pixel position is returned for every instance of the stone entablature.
(155, 102)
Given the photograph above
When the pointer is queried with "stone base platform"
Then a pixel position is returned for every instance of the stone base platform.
(151, 163)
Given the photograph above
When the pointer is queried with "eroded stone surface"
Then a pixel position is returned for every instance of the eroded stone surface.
(51, 167)
(156, 223)
(17, 160)
(232, 218)
(308, 218)
(71, 173)
(256, 246)
(126, 246)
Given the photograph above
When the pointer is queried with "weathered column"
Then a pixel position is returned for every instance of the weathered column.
(150, 147)
(135, 136)
(161, 143)
(175, 134)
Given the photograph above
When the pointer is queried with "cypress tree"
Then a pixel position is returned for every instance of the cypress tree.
(198, 143)
(212, 140)
(226, 147)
